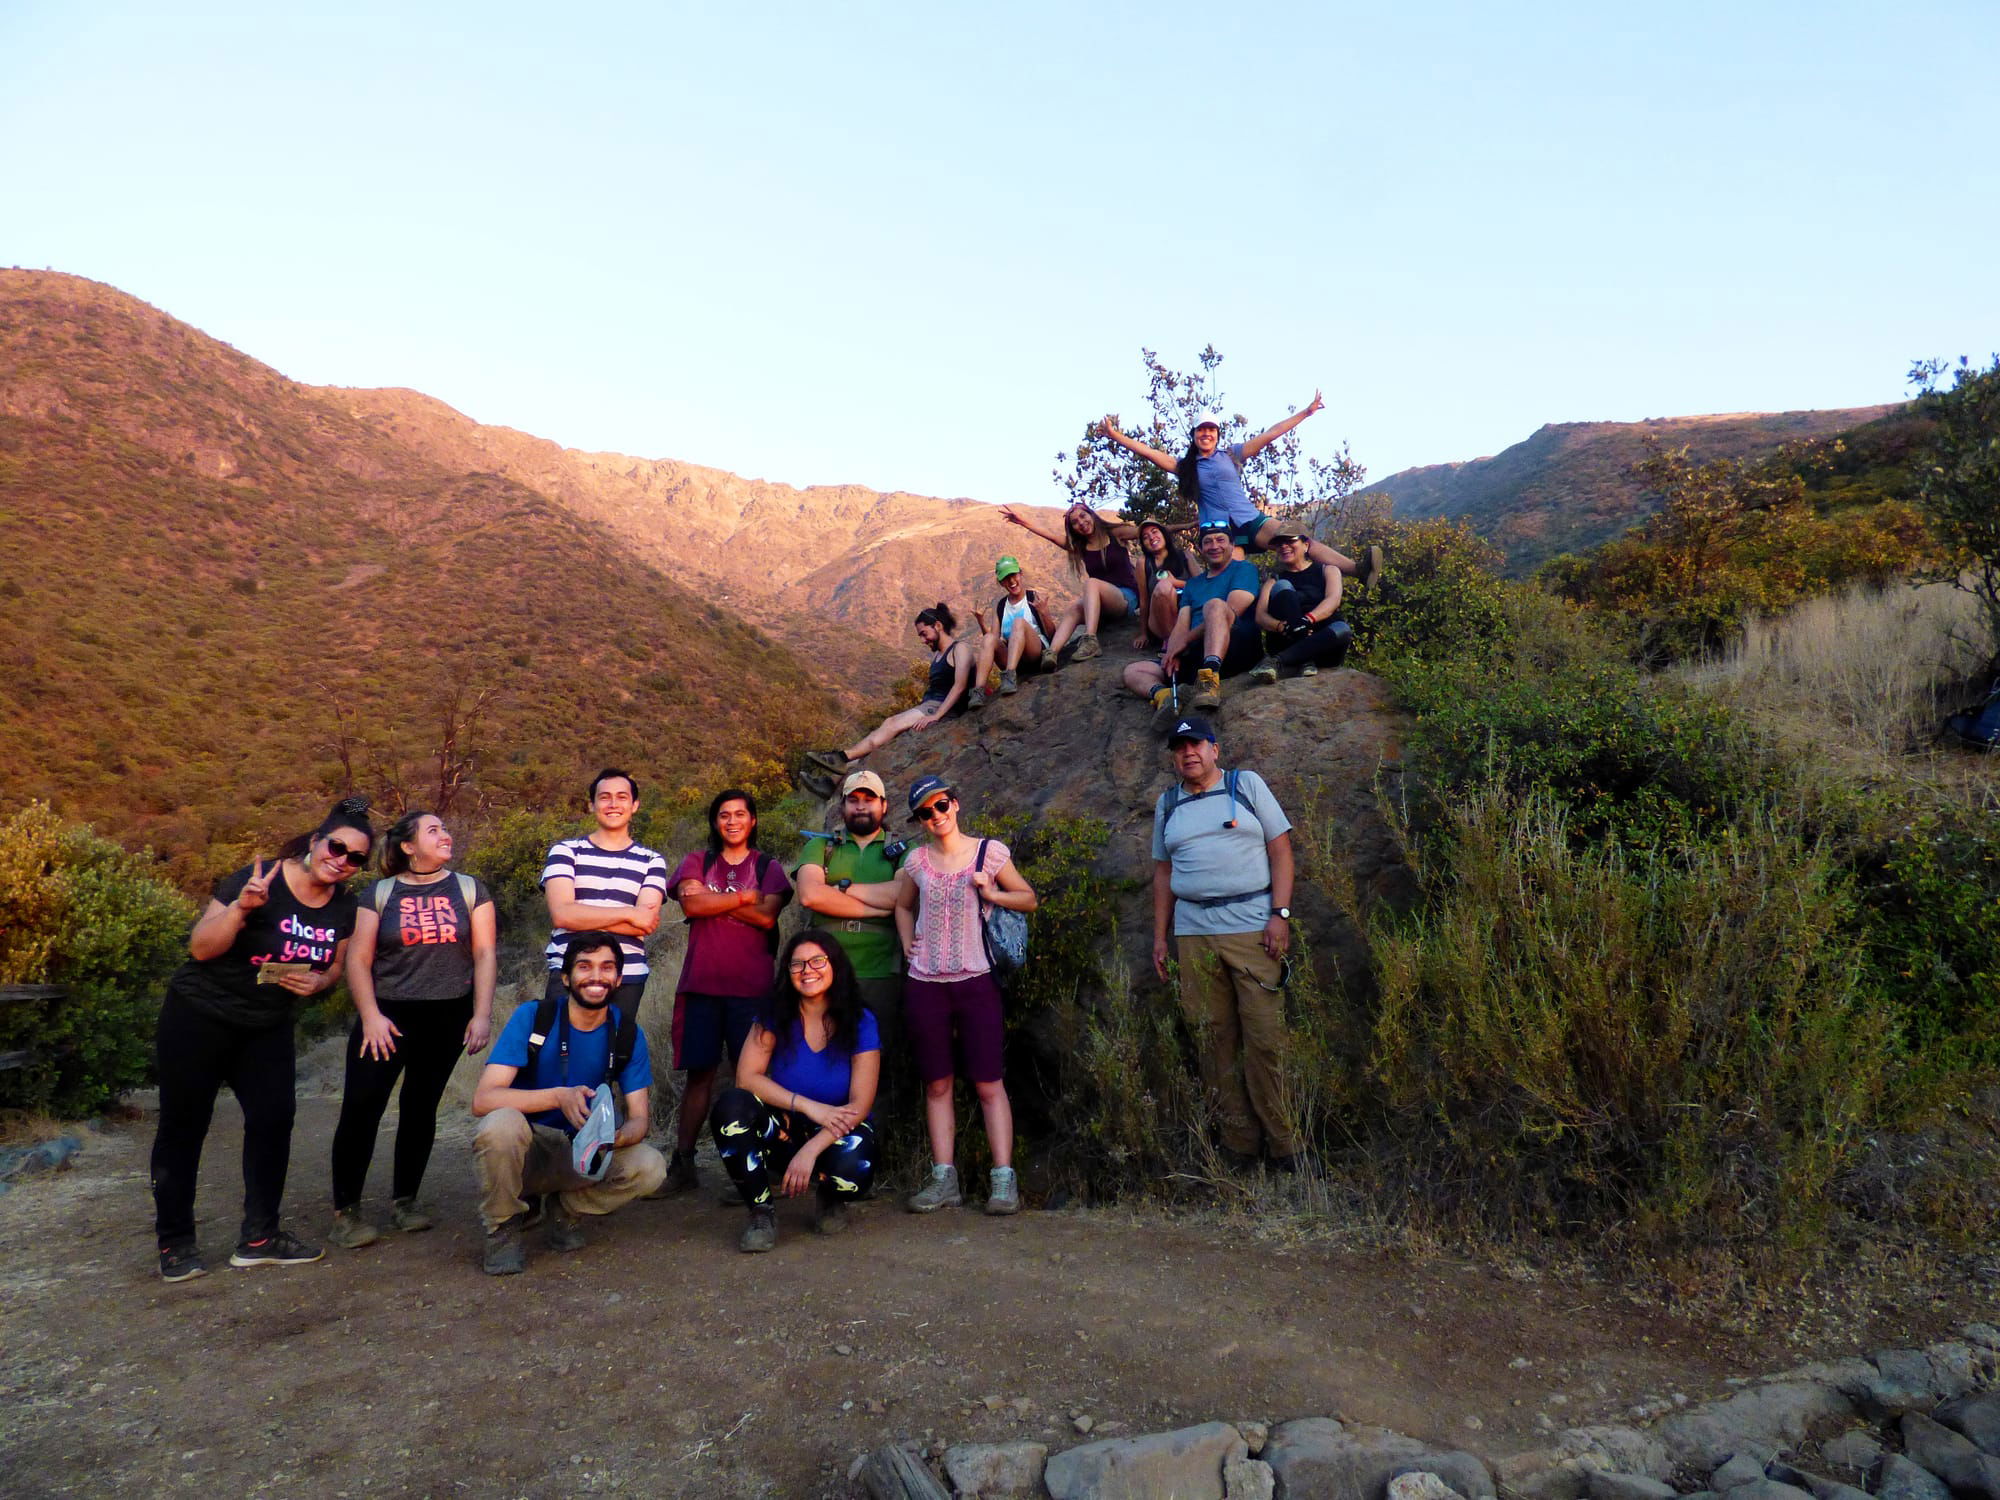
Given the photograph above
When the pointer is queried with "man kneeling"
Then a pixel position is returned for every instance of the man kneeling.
(526, 1138)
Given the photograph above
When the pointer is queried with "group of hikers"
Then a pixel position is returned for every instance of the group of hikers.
(892, 975)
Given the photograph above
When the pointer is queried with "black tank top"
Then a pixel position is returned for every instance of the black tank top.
(943, 674)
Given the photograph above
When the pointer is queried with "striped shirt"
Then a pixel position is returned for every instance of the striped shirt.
(606, 877)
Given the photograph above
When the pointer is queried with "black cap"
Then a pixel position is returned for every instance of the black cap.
(1191, 727)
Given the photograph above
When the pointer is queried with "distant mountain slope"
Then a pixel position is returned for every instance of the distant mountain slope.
(1569, 487)
(837, 571)
(204, 567)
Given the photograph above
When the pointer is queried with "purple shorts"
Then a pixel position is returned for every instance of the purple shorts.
(943, 1017)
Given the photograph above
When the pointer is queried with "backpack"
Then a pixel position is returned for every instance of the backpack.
(378, 894)
(763, 863)
(1176, 798)
(624, 1038)
(1002, 931)
(1978, 728)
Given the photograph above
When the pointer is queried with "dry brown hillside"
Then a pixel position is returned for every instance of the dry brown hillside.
(792, 560)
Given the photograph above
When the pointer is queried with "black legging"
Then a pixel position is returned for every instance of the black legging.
(757, 1143)
(426, 1052)
(1244, 651)
(197, 1056)
(1325, 646)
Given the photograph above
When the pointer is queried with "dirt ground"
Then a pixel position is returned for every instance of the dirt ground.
(660, 1361)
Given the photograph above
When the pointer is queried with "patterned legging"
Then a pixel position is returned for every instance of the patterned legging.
(757, 1143)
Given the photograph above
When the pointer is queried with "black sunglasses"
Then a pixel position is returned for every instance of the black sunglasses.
(932, 810)
(351, 857)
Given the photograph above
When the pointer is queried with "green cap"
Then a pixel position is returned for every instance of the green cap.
(1007, 567)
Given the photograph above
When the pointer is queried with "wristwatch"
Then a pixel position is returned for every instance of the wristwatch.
(1282, 913)
(843, 883)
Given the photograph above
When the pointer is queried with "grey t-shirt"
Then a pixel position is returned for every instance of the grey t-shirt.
(423, 945)
(1212, 860)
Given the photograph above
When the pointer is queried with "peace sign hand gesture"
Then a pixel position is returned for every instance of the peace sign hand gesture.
(1316, 404)
(257, 889)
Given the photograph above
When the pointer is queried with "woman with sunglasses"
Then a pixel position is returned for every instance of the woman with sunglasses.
(272, 934)
(1166, 568)
(421, 972)
(805, 1091)
(1097, 552)
(951, 1004)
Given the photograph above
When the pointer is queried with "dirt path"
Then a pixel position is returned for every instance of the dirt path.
(659, 1361)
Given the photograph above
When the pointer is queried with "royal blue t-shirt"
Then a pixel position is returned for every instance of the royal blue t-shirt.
(827, 1077)
(1223, 498)
(1201, 588)
(589, 1056)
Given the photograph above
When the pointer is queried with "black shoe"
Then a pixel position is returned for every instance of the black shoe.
(1297, 1164)
(1237, 1161)
(505, 1255)
(565, 1232)
(538, 1208)
(681, 1176)
(181, 1263)
(815, 781)
(761, 1233)
(281, 1249)
(835, 761)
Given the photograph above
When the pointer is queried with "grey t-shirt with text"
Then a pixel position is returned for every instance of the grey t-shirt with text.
(1212, 860)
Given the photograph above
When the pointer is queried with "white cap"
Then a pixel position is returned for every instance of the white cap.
(1210, 419)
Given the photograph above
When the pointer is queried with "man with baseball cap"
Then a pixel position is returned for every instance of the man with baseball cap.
(1218, 611)
(1222, 885)
(1021, 627)
(849, 881)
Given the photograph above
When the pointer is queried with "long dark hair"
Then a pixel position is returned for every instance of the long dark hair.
(733, 794)
(1187, 478)
(939, 614)
(395, 858)
(843, 995)
(348, 812)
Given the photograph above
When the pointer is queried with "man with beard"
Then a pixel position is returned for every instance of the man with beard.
(535, 1095)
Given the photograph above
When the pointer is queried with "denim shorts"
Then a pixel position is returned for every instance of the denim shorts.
(1131, 600)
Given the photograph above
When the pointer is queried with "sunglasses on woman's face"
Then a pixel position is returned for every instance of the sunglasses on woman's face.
(353, 858)
(819, 963)
(931, 811)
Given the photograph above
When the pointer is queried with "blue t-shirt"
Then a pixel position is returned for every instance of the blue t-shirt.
(826, 1077)
(1201, 588)
(1220, 476)
(589, 1056)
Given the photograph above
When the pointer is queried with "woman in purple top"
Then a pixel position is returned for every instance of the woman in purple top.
(1096, 547)
(805, 1088)
(732, 893)
(951, 1005)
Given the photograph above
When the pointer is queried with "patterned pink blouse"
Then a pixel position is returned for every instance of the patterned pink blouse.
(948, 942)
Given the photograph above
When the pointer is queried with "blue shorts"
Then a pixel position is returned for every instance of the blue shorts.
(1131, 601)
(705, 1024)
(1244, 534)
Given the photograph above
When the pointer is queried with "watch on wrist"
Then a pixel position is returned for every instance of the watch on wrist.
(1282, 913)
(843, 883)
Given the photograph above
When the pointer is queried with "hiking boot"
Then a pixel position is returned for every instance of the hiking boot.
(731, 1196)
(406, 1218)
(1164, 712)
(181, 1263)
(829, 1213)
(761, 1233)
(505, 1255)
(681, 1176)
(1265, 671)
(1086, 648)
(828, 760)
(1369, 569)
(1003, 1192)
(351, 1231)
(565, 1232)
(942, 1191)
(1309, 669)
(1237, 1161)
(815, 781)
(538, 1208)
(976, 698)
(281, 1249)
(1297, 1164)
(1010, 684)
(1207, 689)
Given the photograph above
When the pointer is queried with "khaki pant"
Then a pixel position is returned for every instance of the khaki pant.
(1231, 1011)
(511, 1157)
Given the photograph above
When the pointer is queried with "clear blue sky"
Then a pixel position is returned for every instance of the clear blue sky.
(916, 246)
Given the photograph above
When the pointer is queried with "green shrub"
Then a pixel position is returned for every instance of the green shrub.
(78, 911)
(1439, 599)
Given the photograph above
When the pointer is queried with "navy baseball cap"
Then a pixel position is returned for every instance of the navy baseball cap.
(923, 789)
(1191, 727)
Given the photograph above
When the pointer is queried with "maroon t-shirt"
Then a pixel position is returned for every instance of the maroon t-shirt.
(725, 956)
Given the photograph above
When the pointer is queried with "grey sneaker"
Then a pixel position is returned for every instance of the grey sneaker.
(350, 1231)
(565, 1231)
(1086, 648)
(976, 698)
(1003, 1193)
(505, 1255)
(1010, 684)
(1265, 671)
(830, 1214)
(761, 1233)
(942, 1191)
(1370, 568)
(1309, 669)
(406, 1218)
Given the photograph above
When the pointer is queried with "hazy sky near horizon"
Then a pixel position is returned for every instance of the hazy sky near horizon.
(916, 248)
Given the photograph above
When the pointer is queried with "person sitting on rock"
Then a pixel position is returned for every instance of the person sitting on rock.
(1218, 609)
(1021, 627)
(1097, 552)
(801, 1113)
(945, 692)
(1167, 567)
(536, 1094)
(1210, 478)
(1296, 607)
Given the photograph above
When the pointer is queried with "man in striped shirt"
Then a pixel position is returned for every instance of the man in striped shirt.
(603, 882)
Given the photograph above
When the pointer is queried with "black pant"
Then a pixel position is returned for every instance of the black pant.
(757, 1143)
(1325, 646)
(197, 1056)
(433, 1034)
(1244, 651)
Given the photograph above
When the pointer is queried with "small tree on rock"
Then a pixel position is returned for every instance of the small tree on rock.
(1958, 477)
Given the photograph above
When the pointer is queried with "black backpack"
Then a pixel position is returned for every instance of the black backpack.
(1978, 728)
(624, 1038)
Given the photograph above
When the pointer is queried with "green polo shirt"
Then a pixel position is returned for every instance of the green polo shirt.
(870, 942)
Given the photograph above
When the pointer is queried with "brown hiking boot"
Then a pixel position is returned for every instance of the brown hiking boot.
(1086, 648)
(1207, 689)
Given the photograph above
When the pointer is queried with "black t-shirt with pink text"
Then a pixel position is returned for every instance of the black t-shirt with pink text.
(283, 930)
